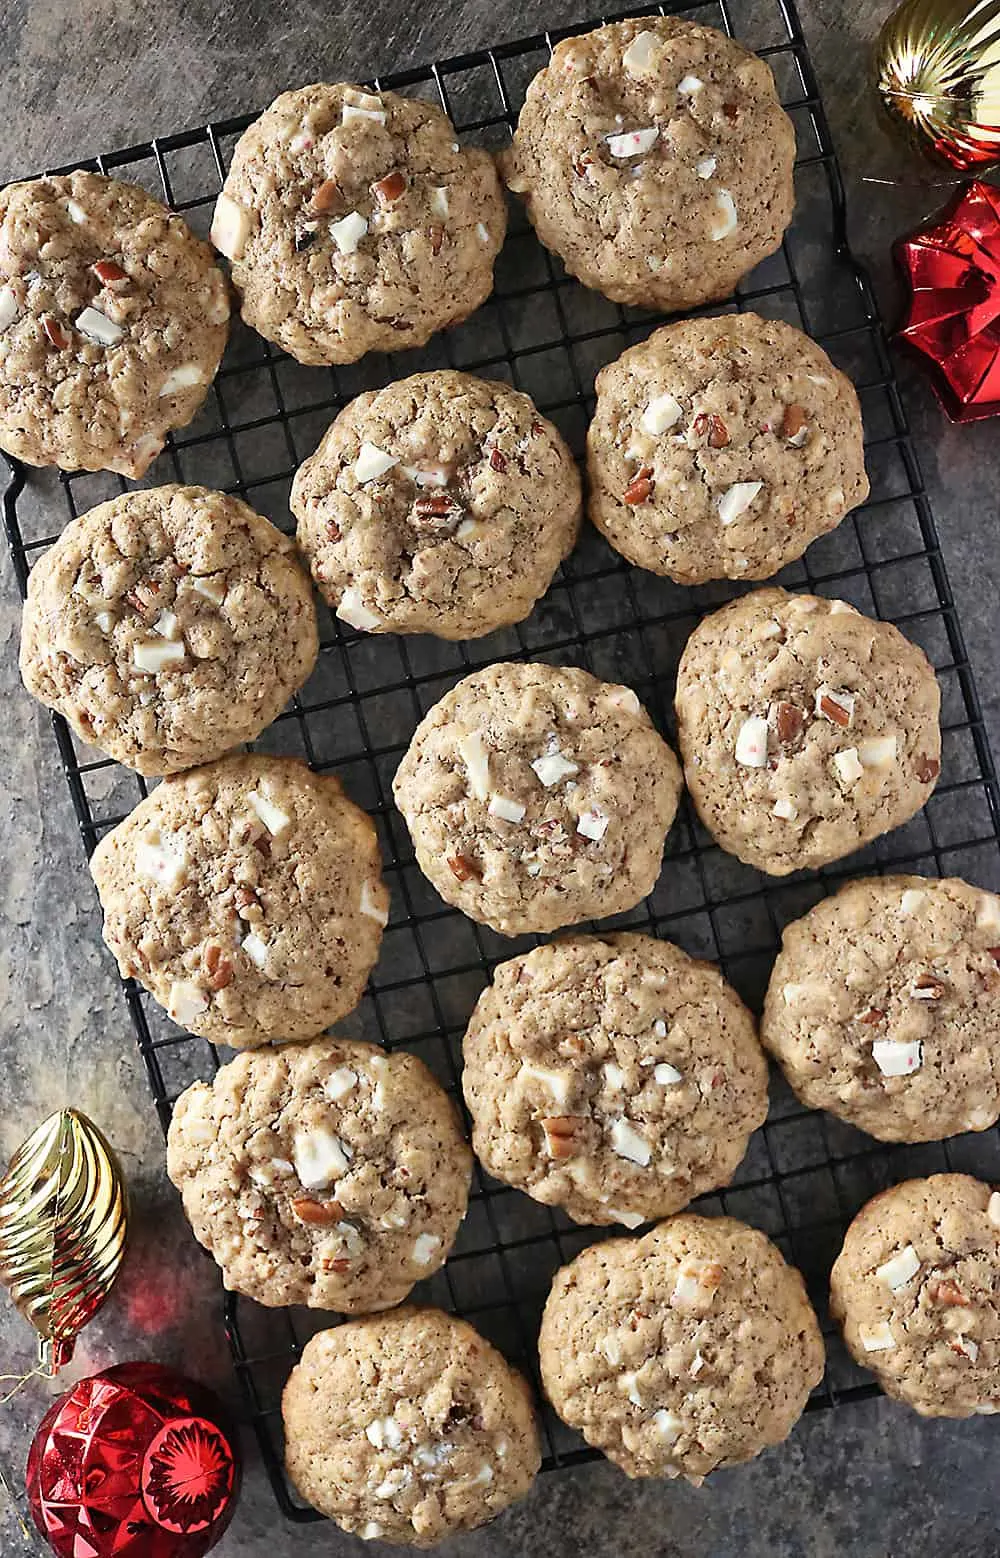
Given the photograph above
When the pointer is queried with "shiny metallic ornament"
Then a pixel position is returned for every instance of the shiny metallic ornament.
(938, 72)
(63, 1228)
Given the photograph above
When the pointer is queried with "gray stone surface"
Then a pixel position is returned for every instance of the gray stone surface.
(79, 76)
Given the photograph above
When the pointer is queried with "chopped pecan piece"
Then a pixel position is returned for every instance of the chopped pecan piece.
(834, 711)
(927, 768)
(790, 720)
(640, 488)
(718, 432)
(793, 421)
(994, 953)
(143, 594)
(926, 987)
(948, 1293)
(562, 1134)
(581, 164)
(218, 968)
(245, 898)
(537, 428)
(872, 1016)
(390, 188)
(464, 869)
(436, 234)
(322, 1213)
(57, 334)
(731, 111)
(325, 198)
(340, 1264)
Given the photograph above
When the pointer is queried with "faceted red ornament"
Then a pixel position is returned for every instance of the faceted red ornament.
(953, 269)
(137, 1462)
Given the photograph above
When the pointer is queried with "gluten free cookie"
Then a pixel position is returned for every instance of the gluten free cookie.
(355, 222)
(328, 1174)
(168, 626)
(113, 320)
(408, 1428)
(440, 504)
(537, 796)
(884, 1005)
(613, 1076)
(692, 1348)
(807, 729)
(720, 448)
(656, 160)
(247, 897)
(916, 1289)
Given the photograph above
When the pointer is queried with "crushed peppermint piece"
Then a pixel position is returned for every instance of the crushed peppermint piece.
(300, 142)
(836, 705)
(751, 743)
(439, 200)
(965, 1347)
(667, 1075)
(552, 768)
(372, 462)
(319, 1157)
(154, 655)
(877, 751)
(706, 167)
(662, 412)
(877, 1338)
(186, 1001)
(230, 227)
(425, 1247)
(627, 1143)
(689, 85)
(726, 224)
(632, 143)
(97, 327)
(506, 809)
(474, 754)
(212, 589)
(371, 907)
(848, 766)
(353, 611)
(185, 377)
(667, 1425)
(737, 499)
(156, 859)
(255, 948)
(785, 809)
(592, 825)
(639, 54)
(341, 1081)
(911, 900)
(348, 232)
(8, 307)
(274, 819)
(898, 1058)
(900, 1270)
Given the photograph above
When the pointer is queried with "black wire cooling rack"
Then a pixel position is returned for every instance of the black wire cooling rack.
(805, 1174)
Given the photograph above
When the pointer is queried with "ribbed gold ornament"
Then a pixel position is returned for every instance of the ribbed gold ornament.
(938, 71)
(63, 1228)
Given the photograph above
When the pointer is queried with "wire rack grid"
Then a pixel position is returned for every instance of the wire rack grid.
(805, 1174)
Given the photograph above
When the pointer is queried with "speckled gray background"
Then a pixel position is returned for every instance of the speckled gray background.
(872, 1481)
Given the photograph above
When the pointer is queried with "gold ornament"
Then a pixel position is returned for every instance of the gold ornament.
(63, 1227)
(938, 72)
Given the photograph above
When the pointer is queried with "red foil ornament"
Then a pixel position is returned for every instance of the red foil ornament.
(137, 1462)
(952, 266)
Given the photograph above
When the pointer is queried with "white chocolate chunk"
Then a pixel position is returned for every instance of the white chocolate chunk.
(993, 1209)
(737, 499)
(877, 1338)
(157, 860)
(553, 767)
(988, 914)
(212, 589)
(394, 1482)
(660, 1028)
(319, 1157)
(666, 1074)
(97, 327)
(640, 52)
(696, 1285)
(76, 213)
(341, 1081)
(372, 462)
(105, 621)
(628, 1386)
(900, 1270)
(425, 1247)
(897, 1058)
(689, 85)
(506, 809)
(352, 112)
(154, 655)
(848, 767)
(667, 1425)
(706, 167)
(797, 440)
(230, 227)
(662, 412)
(186, 1001)
(482, 232)
(384, 1431)
(483, 1475)
(726, 221)
(185, 377)
(785, 809)
(613, 1075)
(558, 1083)
(632, 143)
(877, 751)
(988, 1408)
(274, 819)
(627, 1220)
(371, 907)
(255, 948)
(627, 1143)
(8, 308)
(349, 231)
(370, 1531)
(844, 701)
(697, 1364)
(355, 613)
(473, 751)
(911, 901)
(439, 200)
(166, 625)
(751, 743)
(592, 825)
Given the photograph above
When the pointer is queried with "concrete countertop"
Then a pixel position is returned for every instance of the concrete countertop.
(870, 1480)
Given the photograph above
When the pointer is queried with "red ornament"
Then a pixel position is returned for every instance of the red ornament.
(137, 1462)
(953, 269)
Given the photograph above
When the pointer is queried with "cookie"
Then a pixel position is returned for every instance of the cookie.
(440, 504)
(355, 222)
(246, 897)
(327, 1174)
(168, 626)
(537, 796)
(613, 1076)
(656, 161)
(884, 1004)
(806, 728)
(916, 1289)
(113, 320)
(408, 1427)
(720, 448)
(692, 1348)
